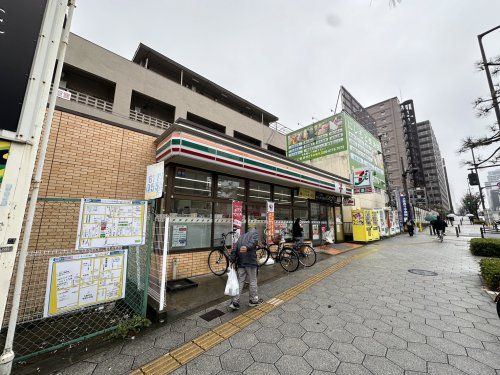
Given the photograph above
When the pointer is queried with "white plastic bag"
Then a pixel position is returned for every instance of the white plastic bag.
(232, 285)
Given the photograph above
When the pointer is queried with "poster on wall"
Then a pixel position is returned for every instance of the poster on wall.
(307, 193)
(315, 231)
(154, 181)
(179, 235)
(78, 281)
(237, 219)
(270, 225)
(4, 155)
(322, 138)
(228, 188)
(348, 201)
(110, 222)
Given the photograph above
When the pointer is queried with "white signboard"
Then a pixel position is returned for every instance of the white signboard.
(110, 223)
(78, 281)
(179, 235)
(63, 94)
(154, 181)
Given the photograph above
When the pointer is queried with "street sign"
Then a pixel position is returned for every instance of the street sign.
(20, 22)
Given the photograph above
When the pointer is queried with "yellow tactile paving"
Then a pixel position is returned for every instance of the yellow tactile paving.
(208, 340)
(163, 365)
(187, 352)
(226, 330)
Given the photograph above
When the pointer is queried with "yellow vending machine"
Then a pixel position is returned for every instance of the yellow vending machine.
(362, 225)
(375, 224)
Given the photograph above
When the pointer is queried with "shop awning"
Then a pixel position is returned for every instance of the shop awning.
(186, 143)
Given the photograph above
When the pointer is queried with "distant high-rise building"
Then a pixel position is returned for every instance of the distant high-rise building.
(410, 132)
(432, 166)
(389, 126)
(356, 110)
(493, 191)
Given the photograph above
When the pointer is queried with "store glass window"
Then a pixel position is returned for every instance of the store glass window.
(192, 182)
(190, 224)
(223, 221)
(259, 191)
(299, 201)
(257, 218)
(231, 188)
(302, 214)
(282, 195)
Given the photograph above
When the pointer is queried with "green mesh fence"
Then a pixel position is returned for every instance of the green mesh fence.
(54, 235)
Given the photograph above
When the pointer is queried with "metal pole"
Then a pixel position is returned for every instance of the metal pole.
(488, 73)
(385, 172)
(405, 187)
(8, 354)
(479, 185)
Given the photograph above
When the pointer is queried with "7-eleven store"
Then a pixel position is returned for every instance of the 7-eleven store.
(205, 172)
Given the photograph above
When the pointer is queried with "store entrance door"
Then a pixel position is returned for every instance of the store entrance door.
(319, 222)
(339, 225)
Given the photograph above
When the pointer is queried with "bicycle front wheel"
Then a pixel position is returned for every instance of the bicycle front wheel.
(218, 262)
(262, 255)
(307, 255)
(289, 259)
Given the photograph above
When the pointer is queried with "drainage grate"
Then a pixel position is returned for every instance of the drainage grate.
(211, 315)
(423, 272)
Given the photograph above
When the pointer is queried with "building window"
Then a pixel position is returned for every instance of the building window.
(259, 191)
(231, 188)
(194, 218)
(282, 195)
(246, 138)
(206, 123)
(222, 221)
(257, 218)
(192, 182)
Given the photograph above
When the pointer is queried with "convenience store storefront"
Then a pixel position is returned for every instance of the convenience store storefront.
(206, 171)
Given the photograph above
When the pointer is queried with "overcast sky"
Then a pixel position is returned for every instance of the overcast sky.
(290, 57)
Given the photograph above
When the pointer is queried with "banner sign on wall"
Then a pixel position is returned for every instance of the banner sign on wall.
(270, 227)
(78, 281)
(154, 181)
(349, 201)
(4, 154)
(322, 138)
(404, 208)
(20, 23)
(307, 193)
(237, 219)
(325, 198)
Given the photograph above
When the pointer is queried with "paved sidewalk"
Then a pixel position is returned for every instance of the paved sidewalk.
(372, 316)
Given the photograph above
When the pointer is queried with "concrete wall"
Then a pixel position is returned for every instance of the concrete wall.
(129, 76)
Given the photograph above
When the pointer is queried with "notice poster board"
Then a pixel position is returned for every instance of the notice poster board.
(78, 281)
(154, 181)
(109, 223)
(179, 235)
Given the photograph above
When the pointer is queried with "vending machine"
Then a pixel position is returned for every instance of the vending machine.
(364, 227)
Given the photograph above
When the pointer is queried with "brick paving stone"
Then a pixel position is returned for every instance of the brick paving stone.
(446, 346)
(269, 335)
(427, 352)
(261, 369)
(352, 369)
(377, 325)
(293, 365)
(313, 325)
(321, 359)
(292, 346)
(146, 357)
(470, 365)
(265, 353)
(390, 340)
(464, 340)
(382, 366)
(243, 340)
(409, 335)
(369, 346)
(291, 330)
(406, 360)
(204, 365)
(443, 369)
(358, 329)
(118, 364)
(80, 368)
(339, 335)
(169, 340)
(317, 340)
(347, 352)
(236, 360)
(488, 357)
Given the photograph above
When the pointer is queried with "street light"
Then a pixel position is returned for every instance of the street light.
(488, 74)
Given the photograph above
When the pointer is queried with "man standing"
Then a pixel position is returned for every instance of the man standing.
(244, 255)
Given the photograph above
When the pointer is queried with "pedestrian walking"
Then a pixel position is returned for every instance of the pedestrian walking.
(410, 224)
(245, 257)
(471, 219)
(439, 225)
(452, 219)
(297, 230)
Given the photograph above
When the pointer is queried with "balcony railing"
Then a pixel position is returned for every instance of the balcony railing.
(148, 120)
(282, 129)
(90, 101)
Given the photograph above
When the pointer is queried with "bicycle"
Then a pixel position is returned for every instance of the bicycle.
(287, 256)
(218, 258)
(307, 253)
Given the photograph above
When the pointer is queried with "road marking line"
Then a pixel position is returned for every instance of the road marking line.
(192, 349)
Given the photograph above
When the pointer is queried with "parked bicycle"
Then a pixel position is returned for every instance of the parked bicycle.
(286, 255)
(218, 258)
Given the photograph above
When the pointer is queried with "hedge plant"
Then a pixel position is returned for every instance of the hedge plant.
(490, 271)
(486, 247)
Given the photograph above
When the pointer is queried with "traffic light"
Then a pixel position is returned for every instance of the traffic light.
(473, 179)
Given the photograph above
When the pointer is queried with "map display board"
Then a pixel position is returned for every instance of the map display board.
(78, 281)
(322, 138)
(108, 223)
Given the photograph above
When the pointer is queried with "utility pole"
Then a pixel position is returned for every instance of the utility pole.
(389, 193)
(488, 73)
(405, 187)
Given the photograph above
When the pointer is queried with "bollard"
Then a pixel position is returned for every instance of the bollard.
(430, 230)
(482, 233)
(459, 229)
(456, 230)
